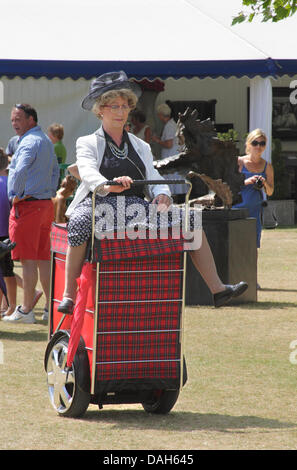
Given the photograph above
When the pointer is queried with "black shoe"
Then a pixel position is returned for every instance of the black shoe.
(239, 288)
(66, 306)
(5, 247)
(221, 298)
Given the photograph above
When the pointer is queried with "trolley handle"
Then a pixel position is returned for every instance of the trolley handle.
(142, 182)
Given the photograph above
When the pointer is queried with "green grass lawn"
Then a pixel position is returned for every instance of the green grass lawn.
(241, 389)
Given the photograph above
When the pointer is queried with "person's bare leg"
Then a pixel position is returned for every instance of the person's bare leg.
(44, 267)
(203, 261)
(30, 278)
(11, 287)
(3, 303)
(74, 262)
(19, 280)
(38, 293)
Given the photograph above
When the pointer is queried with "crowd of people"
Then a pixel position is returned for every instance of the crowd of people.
(29, 177)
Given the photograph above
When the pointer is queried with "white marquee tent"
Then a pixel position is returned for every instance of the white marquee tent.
(71, 38)
(73, 41)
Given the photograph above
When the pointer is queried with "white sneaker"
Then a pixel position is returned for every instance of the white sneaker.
(19, 317)
(45, 314)
(7, 317)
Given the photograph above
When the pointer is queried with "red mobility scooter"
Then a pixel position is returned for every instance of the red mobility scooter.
(123, 343)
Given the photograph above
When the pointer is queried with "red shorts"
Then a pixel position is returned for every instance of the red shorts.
(29, 227)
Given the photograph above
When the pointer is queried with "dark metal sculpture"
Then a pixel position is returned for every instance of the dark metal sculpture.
(213, 161)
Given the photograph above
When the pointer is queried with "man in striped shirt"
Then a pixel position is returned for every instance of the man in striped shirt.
(32, 182)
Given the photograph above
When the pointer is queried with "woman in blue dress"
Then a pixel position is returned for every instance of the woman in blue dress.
(258, 175)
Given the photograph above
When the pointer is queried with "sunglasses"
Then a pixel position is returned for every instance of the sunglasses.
(27, 110)
(255, 143)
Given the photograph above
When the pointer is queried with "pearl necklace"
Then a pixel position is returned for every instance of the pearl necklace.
(118, 153)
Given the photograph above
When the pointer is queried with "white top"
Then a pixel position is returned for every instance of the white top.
(169, 132)
(89, 154)
(141, 133)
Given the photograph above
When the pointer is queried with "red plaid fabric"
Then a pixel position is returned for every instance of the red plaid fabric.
(110, 250)
(143, 316)
(139, 322)
(146, 286)
(59, 238)
(139, 310)
(172, 262)
(117, 249)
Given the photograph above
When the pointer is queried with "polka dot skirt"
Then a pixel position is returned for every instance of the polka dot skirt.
(120, 212)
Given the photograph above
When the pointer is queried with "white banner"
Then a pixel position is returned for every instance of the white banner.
(261, 110)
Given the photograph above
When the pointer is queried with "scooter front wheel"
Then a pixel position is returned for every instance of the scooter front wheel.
(67, 388)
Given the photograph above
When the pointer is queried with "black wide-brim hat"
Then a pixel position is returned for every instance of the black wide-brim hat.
(108, 81)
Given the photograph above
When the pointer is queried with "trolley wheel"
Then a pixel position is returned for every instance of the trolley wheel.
(161, 402)
(68, 389)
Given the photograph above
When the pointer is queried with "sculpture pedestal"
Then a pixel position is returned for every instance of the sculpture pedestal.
(231, 235)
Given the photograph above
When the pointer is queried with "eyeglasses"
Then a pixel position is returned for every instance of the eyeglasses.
(262, 143)
(114, 108)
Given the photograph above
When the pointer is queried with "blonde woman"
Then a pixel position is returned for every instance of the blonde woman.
(258, 175)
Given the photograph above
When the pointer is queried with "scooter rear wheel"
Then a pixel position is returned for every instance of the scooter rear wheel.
(162, 401)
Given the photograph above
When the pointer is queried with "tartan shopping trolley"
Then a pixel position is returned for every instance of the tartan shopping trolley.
(123, 342)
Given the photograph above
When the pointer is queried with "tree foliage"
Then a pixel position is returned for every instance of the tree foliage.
(269, 10)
